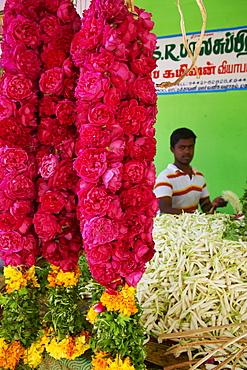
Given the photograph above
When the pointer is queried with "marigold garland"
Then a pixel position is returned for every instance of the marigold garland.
(69, 348)
(57, 277)
(123, 301)
(15, 279)
(102, 361)
(10, 354)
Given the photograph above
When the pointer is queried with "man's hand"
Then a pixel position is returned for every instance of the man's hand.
(219, 202)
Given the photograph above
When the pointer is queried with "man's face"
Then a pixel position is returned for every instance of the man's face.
(184, 150)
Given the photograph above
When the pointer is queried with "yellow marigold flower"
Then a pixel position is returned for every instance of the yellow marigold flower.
(92, 315)
(123, 301)
(14, 279)
(99, 362)
(33, 355)
(57, 349)
(119, 364)
(30, 275)
(57, 277)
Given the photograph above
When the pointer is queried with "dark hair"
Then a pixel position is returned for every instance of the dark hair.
(181, 133)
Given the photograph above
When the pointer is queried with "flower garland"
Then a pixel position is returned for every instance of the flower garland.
(116, 108)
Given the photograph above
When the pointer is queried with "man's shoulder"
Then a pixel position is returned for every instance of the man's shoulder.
(169, 170)
(196, 172)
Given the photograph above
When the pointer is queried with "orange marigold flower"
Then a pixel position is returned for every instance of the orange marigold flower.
(57, 277)
(123, 301)
(99, 362)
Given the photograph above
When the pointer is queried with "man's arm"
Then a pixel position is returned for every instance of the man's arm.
(208, 206)
(165, 206)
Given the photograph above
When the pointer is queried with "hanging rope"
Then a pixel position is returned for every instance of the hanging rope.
(197, 46)
(131, 7)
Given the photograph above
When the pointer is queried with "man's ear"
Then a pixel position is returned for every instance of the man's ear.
(172, 149)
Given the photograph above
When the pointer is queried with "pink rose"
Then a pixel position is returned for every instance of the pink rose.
(91, 164)
(66, 112)
(133, 278)
(92, 136)
(52, 201)
(52, 57)
(66, 148)
(21, 30)
(51, 81)
(143, 87)
(26, 115)
(99, 230)
(92, 85)
(95, 202)
(7, 107)
(99, 308)
(7, 221)
(143, 252)
(130, 116)
(112, 177)
(112, 98)
(11, 241)
(14, 159)
(46, 226)
(113, 42)
(18, 88)
(48, 166)
(100, 115)
(66, 11)
(50, 132)
(18, 187)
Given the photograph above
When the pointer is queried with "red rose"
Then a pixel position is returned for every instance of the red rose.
(95, 202)
(100, 253)
(143, 87)
(7, 221)
(92, 136)
(105, 273)
(47, 105)
(50, 132)
(64, 176)
(91, 164)
(18, 187)
(62, 39)
(66, 148)
(143, 66)
(133, 171)
(14, 159)
(18, 88)
(5, 203)
(144, 148)
(12, 133)
(7, 107)
(112, 98)
(99, 230)
(137, 198)
(50, 26)
(66, 11)
(26, 115)
(51, 81)
(53, 58)
(21, 30)
(11, 241)
(20, 209)
(134, 222)
(66, 112)
(52, 201)
(46, 226)
(100, 115)
(92, 85)
(100, 62)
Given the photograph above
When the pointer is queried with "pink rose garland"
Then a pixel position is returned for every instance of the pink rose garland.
(116, 108)
(55, 221)
(18, 143)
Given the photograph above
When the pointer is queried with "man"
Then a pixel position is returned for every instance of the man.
(180, 187)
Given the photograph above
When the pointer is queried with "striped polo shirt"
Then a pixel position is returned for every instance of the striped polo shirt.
(186, 192)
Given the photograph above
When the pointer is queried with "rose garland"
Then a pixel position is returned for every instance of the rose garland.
(55, 221)
(18, 146)
(116, 108)
(36, 43)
